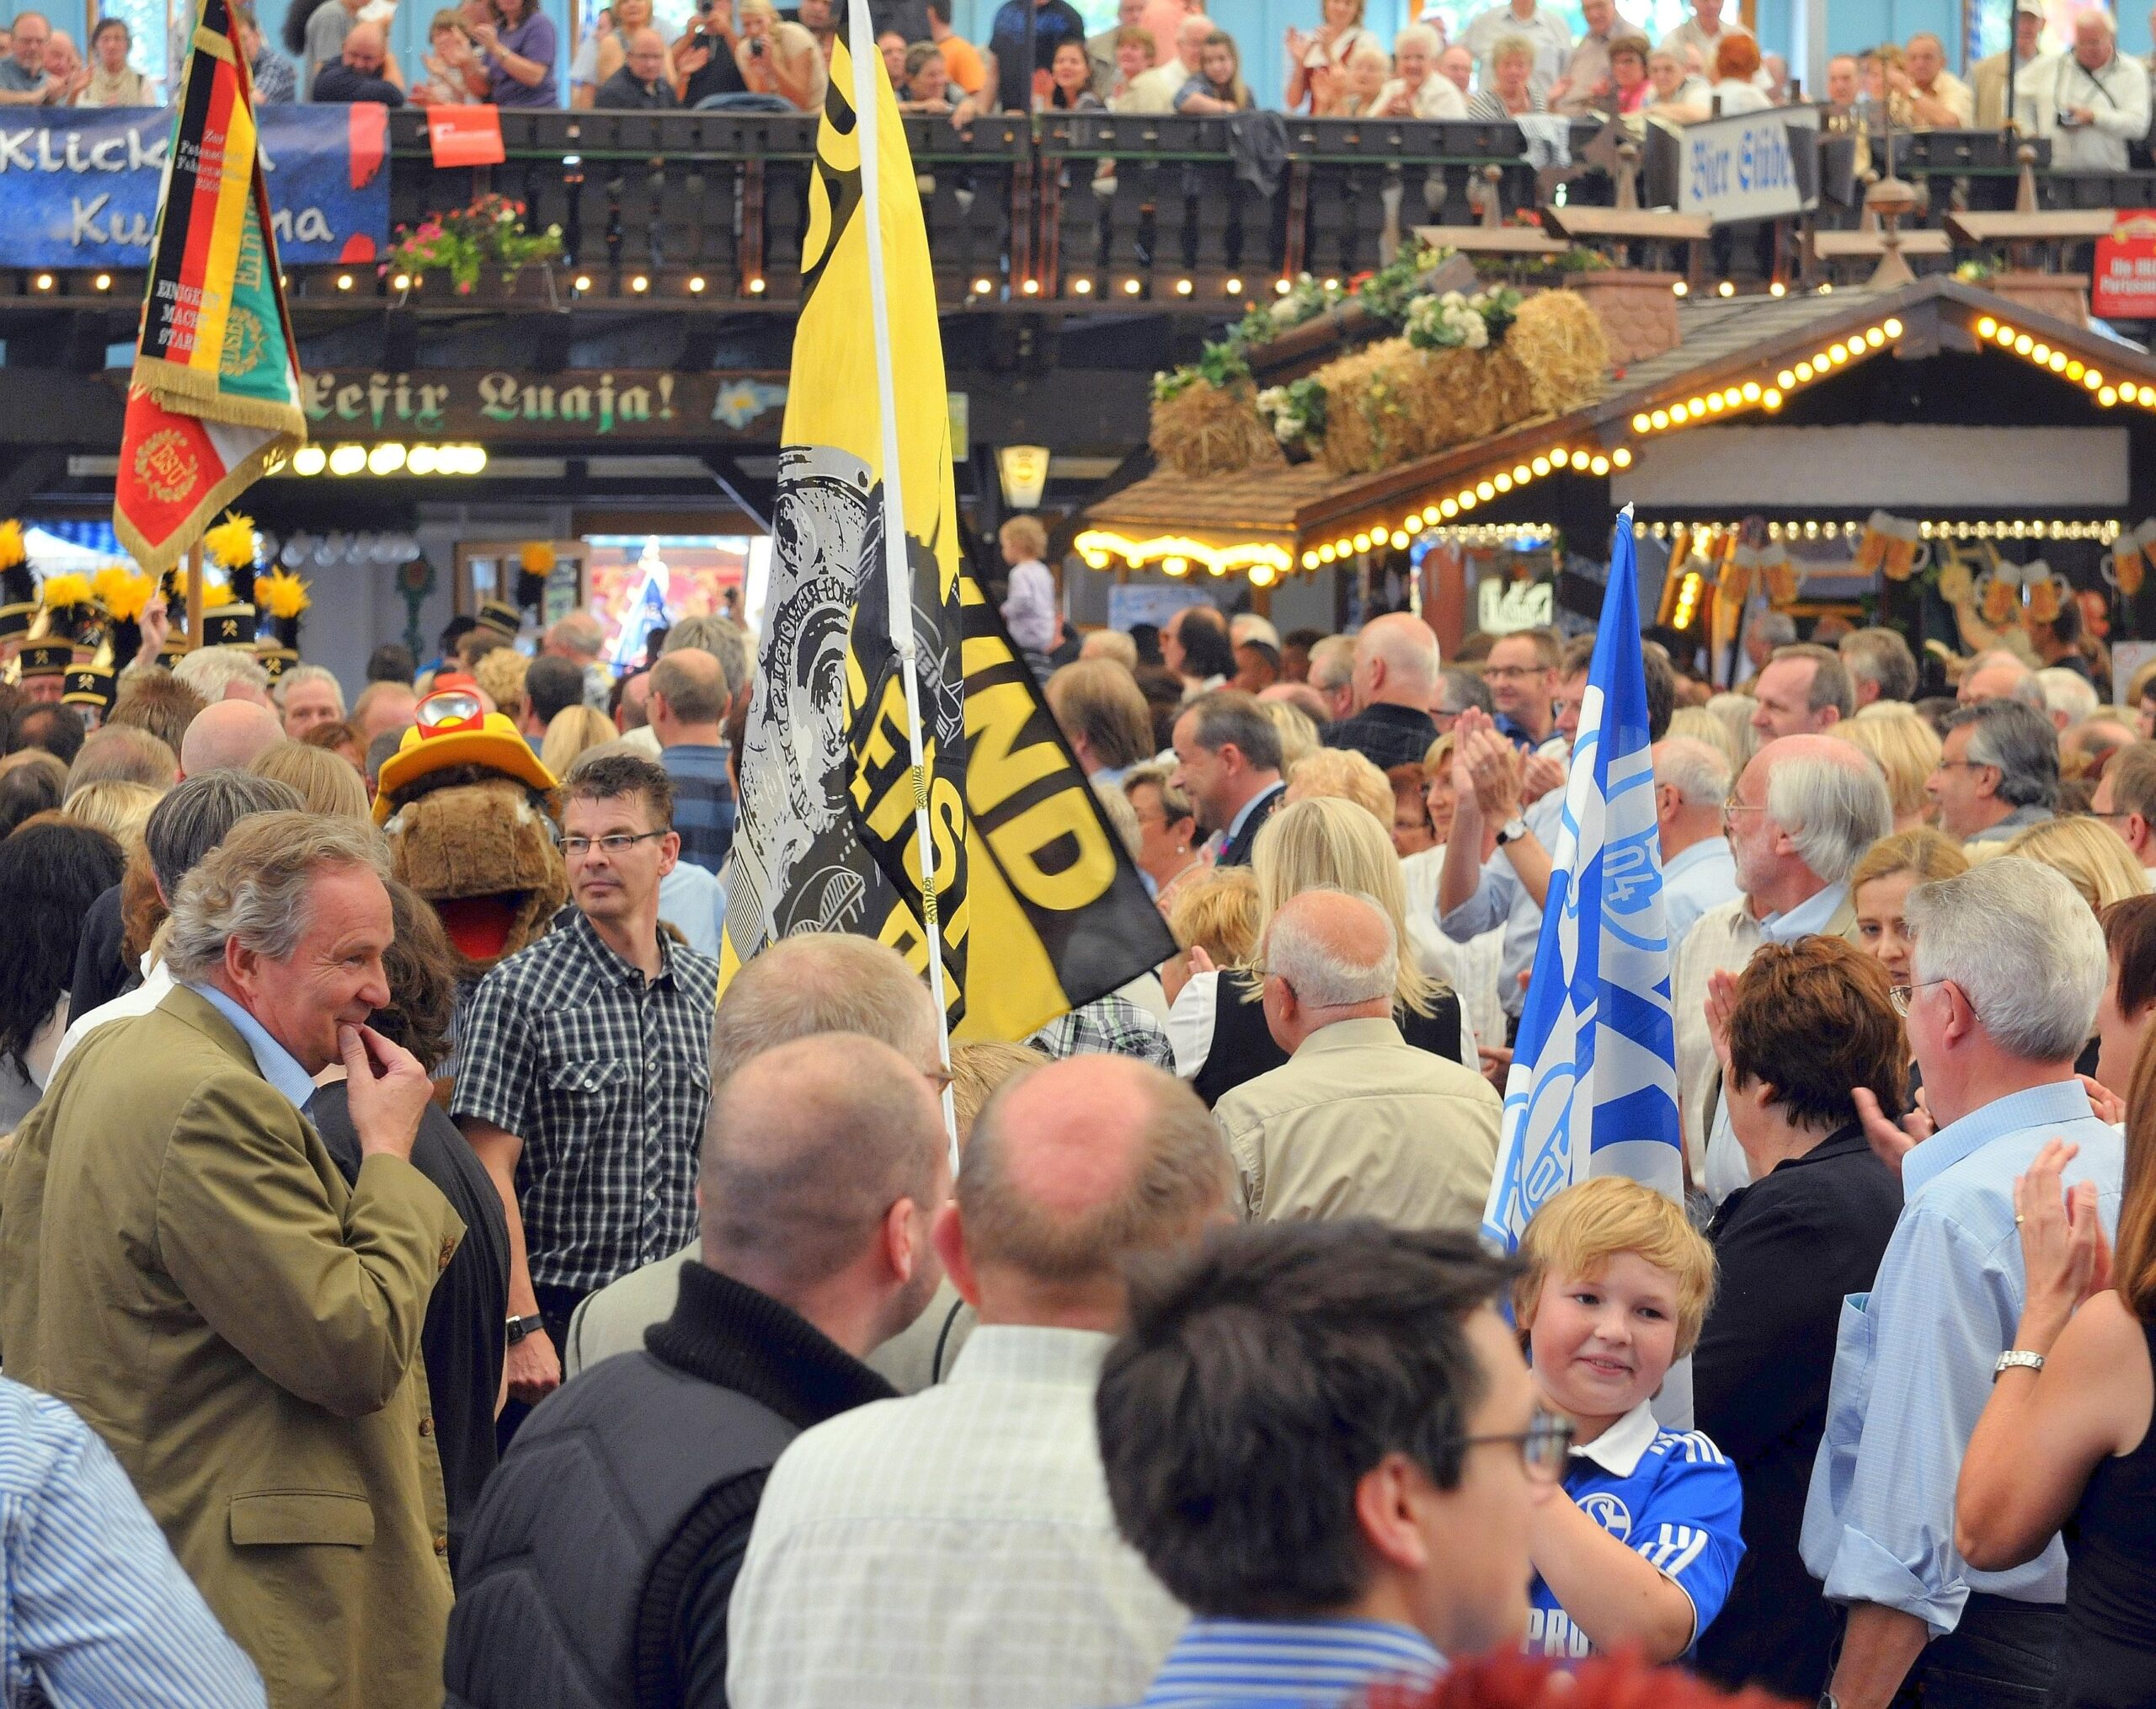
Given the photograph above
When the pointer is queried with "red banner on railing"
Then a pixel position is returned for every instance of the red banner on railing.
(2123, 287)
(465, 136)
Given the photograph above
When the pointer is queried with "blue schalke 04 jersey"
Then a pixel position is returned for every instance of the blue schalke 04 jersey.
(1669, 1495)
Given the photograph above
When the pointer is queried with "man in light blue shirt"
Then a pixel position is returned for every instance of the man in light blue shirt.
(93, 1608)
(1691, 783)
(2009, 966)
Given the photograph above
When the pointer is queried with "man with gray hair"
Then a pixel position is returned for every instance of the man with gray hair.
(1998, 771)
(1880, 665)
(192, 820)
(578, 638)
(306, 696)
(1801, 690)
(979, 1506)
(1803, 812)
(1395, 673)
(1357, 1122)
(1691, 784)
(688, 709)
(225, 673)
(1765, 634)
(624, 1506)
(813, 982)
(2069, 697)
(2007, 970)
(1998, 675)
(276, 1421)
(1332, 673)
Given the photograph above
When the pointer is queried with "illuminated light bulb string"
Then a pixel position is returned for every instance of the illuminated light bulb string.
(2107, 392)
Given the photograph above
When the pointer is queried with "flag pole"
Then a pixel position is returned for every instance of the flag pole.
(194, 596)
(898, 573)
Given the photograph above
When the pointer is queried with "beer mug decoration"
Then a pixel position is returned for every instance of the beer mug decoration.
(1892, 546)
(2127, 565)
(2005, 591)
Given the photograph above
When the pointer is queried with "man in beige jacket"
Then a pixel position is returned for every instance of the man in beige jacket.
(1358, 1122)
(182, 1262)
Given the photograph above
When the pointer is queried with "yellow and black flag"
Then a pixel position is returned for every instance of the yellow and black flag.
(851, 762)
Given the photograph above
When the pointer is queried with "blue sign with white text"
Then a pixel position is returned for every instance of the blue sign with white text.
(82, 190)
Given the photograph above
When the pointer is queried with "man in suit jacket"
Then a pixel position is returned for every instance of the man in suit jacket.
(1228, 763)
(181, 1261)
(1803, 813)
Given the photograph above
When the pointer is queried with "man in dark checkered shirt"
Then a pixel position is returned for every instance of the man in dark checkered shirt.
(587, 1069)
(1396, 679)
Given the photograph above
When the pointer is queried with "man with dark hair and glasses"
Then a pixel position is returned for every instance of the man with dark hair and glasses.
(586, 1070)
(1325, 1444)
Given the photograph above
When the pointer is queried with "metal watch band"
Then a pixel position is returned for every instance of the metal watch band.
(2013, 1358)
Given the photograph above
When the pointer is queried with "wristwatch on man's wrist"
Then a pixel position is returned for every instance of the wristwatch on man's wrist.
(519, 1327)
(2015, 1359)
(1512, 830)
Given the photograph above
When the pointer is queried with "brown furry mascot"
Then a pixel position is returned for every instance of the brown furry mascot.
(470, 813)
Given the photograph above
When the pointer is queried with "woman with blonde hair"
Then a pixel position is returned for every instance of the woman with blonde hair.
(327, 785)
(2089, 855)
(1906, 749)
(1344, 774)
(1218, 1023)
(115, 807)
(1216, 915)
(1879, 890)
(1470, 969)
(1298, 736)
(575, 730)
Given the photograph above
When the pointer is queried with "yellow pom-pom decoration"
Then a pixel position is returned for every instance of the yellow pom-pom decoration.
(12, 552)
(125, 595)
(232, 542)
(282, 594)
(537, 557)
(61, 591)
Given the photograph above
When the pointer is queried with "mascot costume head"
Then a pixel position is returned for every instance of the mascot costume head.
(470, 815)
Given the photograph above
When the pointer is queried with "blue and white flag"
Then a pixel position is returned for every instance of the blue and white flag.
(1593, 1084)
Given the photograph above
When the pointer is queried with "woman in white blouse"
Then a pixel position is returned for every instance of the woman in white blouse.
(1317, 63)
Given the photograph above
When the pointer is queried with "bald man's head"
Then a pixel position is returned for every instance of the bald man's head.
(688, 692)
(1071, 1171)
(1396, 662)
(824, 1159)
(364, 48)
(227, 736)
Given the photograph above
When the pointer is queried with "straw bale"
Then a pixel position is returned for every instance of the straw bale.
(1562, 352)
(1205, 430)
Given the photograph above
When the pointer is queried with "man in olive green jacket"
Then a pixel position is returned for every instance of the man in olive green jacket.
(181, 1261)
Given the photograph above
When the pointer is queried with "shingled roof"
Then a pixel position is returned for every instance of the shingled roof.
(1758, 347)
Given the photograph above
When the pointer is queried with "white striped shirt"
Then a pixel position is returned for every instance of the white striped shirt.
(94, 1612)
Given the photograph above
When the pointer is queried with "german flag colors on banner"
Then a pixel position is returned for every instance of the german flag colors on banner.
(891, 712)
(215, 397)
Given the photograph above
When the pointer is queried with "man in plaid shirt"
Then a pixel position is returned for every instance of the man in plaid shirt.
(586, 1070)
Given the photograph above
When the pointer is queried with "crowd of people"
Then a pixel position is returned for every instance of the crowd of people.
(415, 1287)
(1517, 58)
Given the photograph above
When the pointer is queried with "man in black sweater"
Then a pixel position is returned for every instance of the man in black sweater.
(363, 74)
(641, 85)
(606, 1544)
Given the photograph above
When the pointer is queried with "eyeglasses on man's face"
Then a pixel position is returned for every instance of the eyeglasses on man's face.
(1544, 1446)
(615, 846)
(1905, 995)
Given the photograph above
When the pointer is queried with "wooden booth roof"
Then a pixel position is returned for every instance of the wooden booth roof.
(1739, 358)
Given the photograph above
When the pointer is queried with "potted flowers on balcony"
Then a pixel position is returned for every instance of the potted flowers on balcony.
(482, 250)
